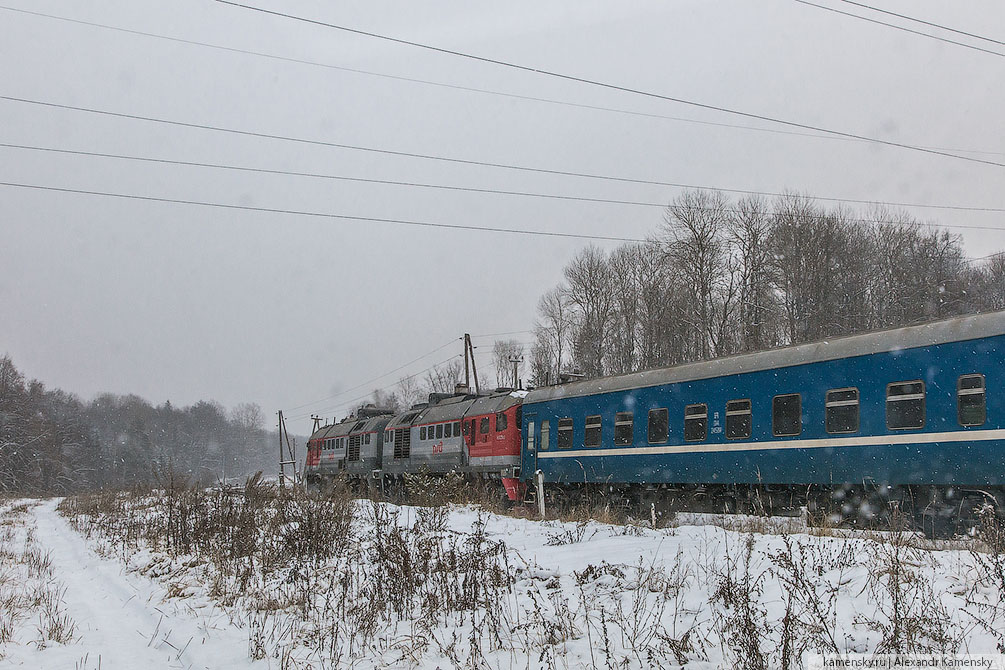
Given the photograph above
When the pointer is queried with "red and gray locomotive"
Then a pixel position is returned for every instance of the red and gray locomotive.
(474, 435)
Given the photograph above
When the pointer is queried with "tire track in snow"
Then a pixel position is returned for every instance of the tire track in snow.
(122, 619)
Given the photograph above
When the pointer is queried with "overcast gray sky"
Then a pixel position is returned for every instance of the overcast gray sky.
(179, 302)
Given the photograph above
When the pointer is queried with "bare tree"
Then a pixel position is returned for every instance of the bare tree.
(553, 331)
(408, 390)
(444, 378)
(626, 286)
(502, 352)
(991, 283)
(589, 280)
(694, 235)
(542, 368)
(382, 399)
(757, 309)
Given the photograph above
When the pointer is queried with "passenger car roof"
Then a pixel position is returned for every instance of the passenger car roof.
(939, 332)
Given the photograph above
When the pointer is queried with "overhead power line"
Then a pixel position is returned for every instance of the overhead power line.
(323, 215)
(430, 224)
(382, 388)
(461, 161)
(316, 175)
(923, 22)
(609, 86)
(469, 89)
(378, 377)
(894, 26)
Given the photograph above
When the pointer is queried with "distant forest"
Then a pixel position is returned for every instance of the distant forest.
(52, 443)
(722, 277)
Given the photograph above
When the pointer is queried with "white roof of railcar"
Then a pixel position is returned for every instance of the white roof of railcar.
(940, 332)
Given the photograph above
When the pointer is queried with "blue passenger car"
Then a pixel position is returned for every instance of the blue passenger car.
(920, 405)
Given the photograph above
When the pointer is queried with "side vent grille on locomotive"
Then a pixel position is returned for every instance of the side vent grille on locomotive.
(402, 443)
(353, 452)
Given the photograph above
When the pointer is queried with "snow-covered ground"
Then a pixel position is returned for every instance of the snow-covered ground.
(121, 619)
(526, 594)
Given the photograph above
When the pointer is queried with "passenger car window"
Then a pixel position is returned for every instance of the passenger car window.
(738, 419)
(905, 405)
(659, 425)
(787, 414)
(695, 423)
(624, 428)
(565, 433)
(841, 410)
(971, 400)
(545, 434)
(591, 437)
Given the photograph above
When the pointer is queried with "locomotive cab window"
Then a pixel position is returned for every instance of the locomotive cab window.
(971, 400)
(841, 409)
(787, 414)
(500, 421)
(738, 419)
(591, 438)
(905, 405)
(695, 423)
(623, 428)
(565, 433)
(484, 427)
(659, 425)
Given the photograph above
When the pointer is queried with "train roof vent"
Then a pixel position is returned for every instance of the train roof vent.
(460, 389)
(371, 411)
(503, 389)
(566, 377)
(439, 397)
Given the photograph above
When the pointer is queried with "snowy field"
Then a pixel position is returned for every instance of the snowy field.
(160, 582)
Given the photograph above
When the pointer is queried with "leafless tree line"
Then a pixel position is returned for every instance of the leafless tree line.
(722, 277)
(51, 442)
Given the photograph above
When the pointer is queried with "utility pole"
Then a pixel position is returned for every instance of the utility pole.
(470, 350)
(467, 372)
(287, 458)
(516, 360)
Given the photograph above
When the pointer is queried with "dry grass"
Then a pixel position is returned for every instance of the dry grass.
(29, 591)
(326, 579)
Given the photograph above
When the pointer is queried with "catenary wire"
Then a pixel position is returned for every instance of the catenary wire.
(470, 89)
(430, 224)
(317, 175)
(370, 381)
(450, 187)
(370, 393)
(463, 161)
(613, 87)
(328, 215)
(923, 22)
(892, 25)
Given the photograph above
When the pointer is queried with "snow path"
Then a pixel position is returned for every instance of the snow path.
(121, 618)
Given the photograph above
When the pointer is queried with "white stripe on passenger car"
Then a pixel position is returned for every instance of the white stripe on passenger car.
(870, 440)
